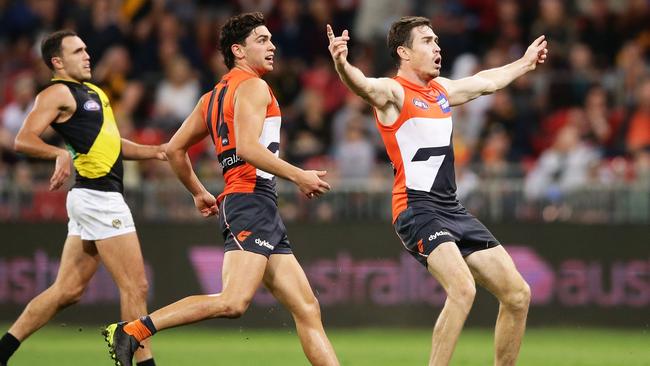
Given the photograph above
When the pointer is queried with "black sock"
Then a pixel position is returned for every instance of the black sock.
(146, 320)
(8, 345)
(149, 362)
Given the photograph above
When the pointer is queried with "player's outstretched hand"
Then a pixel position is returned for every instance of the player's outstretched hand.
(160, 153)
(206, 204)
(62, 170)
(338, 45)
(536, 52)
(311, 185)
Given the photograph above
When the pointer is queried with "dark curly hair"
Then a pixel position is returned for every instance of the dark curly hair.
(51, 45)
(400, 34)
(235, 31)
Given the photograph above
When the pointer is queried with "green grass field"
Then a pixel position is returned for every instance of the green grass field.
(195, 345)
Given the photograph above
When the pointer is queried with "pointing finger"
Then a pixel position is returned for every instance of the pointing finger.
(330, 33)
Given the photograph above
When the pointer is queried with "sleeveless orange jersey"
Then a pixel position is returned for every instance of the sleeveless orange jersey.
(419, 146)
(218, 111)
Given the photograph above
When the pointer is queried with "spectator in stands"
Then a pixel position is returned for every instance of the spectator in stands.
(602, 120)
(310, 136)
(564, 167)
(13, 115)
(103, 29)
(355, 155)
(629, 70)
(599, 31)
(637, 137)
(176, 95)
(559, 29)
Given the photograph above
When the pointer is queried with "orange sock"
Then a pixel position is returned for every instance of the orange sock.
(138, 330)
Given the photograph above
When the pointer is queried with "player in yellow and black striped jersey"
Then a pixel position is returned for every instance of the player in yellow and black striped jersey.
(100, 226)
(93, 139)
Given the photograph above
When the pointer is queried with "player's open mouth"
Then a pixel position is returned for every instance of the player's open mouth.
(437, 61)
(269, 58)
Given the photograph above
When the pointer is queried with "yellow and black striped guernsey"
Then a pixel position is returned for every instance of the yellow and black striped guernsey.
(92, 137)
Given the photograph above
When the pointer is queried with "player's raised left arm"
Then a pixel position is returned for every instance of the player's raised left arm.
(488, 81)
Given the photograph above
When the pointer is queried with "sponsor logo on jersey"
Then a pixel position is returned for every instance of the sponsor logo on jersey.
(91, 105)
(443, 103)
(263, 243)
(435, 235)
(420, 103)
(230, 160)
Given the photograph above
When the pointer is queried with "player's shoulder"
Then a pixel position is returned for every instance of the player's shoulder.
(55, 89)
(388, 83)
(96, 89)
(254, 88)
(441, 83)
(390, 88)
(254, 83)
(56, 94)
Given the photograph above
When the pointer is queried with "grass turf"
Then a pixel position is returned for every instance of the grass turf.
(195, 345)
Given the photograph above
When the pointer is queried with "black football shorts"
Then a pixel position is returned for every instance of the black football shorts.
(423, 226)
(251, 222)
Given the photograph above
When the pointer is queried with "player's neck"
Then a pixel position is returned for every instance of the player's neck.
(64, 76)
(248, 69)
(413, 77)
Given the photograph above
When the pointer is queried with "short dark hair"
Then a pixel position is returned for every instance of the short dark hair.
(51, 45)
(235, 31)
(400, 34)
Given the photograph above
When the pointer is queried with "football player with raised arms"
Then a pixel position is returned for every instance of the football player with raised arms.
(413, 115)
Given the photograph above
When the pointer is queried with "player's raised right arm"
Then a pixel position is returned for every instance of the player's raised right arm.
(49, 105)
(378, 92)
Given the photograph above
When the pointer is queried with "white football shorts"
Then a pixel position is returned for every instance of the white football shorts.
(97, 215)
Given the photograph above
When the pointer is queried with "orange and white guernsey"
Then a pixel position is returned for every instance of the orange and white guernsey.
(419, 146)
(218, 111)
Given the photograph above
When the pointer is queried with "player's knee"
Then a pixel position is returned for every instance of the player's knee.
(69, 295)
(142, 288)
(462, 295)
(308, 309)
(518, 298)
(138, 289)
(235, 309)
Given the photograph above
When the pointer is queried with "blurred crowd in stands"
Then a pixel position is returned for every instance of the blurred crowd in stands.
(581, 119)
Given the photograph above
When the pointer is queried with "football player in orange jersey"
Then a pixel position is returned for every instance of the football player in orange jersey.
(413, 115)
(242, 117)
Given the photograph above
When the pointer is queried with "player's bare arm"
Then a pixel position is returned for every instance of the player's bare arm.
(135, 151)
(191, 131)
(54, 104)
(488, 81)
(384, 94)
(251, 100)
